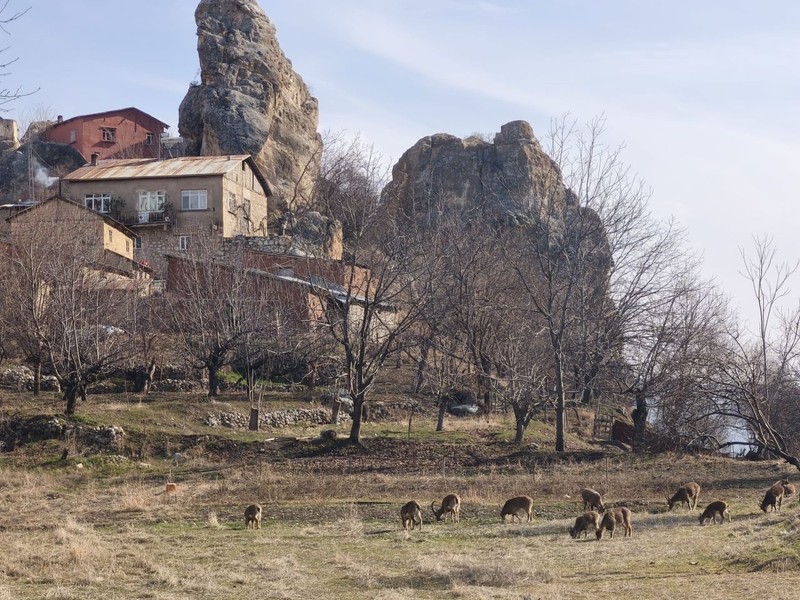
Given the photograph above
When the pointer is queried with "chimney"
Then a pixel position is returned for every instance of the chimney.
(60, 119)
(95, 155)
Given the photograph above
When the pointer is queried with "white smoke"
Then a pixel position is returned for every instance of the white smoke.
(41, 175)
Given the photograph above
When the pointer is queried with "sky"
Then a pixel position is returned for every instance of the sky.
(702, 94)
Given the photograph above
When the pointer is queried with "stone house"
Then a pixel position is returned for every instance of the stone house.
(172, 204)
(107, 244)
(124, 133)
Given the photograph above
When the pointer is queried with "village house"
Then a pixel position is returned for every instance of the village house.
(175, 203)
(124, 133)
(106, 243)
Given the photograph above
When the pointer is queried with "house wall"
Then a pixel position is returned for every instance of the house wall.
(69, 217)
(355, 278)
(117, 241)
(236, 206)
(131, 129)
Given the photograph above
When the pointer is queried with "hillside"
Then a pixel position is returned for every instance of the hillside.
(100, 525)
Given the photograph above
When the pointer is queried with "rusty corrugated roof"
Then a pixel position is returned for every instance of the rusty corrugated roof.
(139, 168)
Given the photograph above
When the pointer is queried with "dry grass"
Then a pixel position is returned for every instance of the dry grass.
(328, 546)
(331, 527)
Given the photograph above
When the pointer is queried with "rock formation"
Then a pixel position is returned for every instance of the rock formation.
(510, 178)
(250, 101)
(49, 161)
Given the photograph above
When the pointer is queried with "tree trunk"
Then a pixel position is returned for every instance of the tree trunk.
(422, 364)
(213, 381)
(144, 377)
(355, 429)
(519, 432)
(37, 376)
(253, 419)
(640, 421)
(442, 412)
(561, 409)
(335, 408)
(70, 396)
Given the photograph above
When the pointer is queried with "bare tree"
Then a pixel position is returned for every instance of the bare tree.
(759, 367)
(72, 305)
(591, 265)
(8, 95)
(215, 308)
(380, 293)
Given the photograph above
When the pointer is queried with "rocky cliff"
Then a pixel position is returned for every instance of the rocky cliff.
(509, 179)
(249, 100)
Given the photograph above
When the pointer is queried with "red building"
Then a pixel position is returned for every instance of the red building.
(124, 133)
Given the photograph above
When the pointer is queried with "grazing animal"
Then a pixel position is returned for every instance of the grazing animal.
(451, 505)
(411, 515)
(592, 500)
(588, 520)
(773, 498)
(252, 517)
(788, 488)
(515, 505)
(712, 510)
(688, 493)
(614, 517)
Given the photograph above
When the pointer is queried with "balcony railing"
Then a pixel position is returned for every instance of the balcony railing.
(147, 218)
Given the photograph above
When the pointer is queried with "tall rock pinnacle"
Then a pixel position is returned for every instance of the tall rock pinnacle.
(250, 100)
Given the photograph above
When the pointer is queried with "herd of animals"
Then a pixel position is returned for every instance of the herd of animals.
(596, 518)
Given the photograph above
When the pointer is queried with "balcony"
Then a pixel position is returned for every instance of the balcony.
(147, 218)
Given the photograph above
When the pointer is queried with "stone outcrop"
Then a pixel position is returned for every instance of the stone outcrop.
(250, 101)
(317, 235)
(15, 173)
(509, 178)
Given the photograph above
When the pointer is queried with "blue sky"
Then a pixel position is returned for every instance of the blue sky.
(702, 93)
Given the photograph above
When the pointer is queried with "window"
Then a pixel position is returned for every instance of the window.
(73, 136)
(150, 206)
(231, 202)
(110, 235)
(137, 242)
(127, 245)
(194, 200)
(98, 202)
(149, 139)
(184, 242)
(109, 134)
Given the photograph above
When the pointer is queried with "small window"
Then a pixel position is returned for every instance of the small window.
(127, 245)
(137, 243)
(231, 202)
(73, 136)
(194, 200)
(184, 242)
(149, 139)
(109, 134)
(110, 235)
(98, 202)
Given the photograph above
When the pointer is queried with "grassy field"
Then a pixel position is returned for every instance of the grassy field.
(101, 526)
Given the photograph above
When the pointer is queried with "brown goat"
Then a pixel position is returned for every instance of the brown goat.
(592, 500)
(515, 505)
(712, 510)
(588, 520)
(411, 515)
(252, 517)
(451, 505)
(688, 493)
(788, 488)
(614, 517)
(773, 498)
